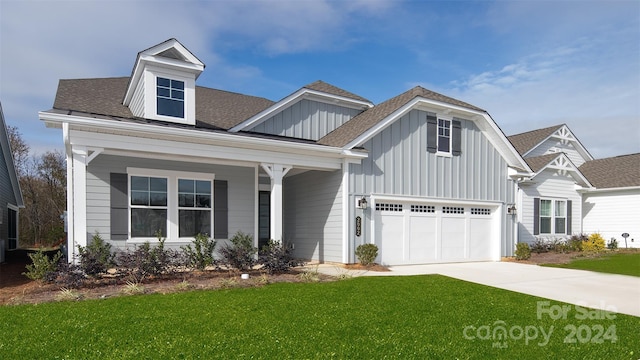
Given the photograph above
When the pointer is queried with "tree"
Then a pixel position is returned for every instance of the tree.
(43, 182)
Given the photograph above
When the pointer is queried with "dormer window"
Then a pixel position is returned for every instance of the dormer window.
(170, 97)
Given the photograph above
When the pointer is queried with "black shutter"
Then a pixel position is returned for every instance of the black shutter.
(536, 216)
(456, 141)
(119, 206)
(432, 134)
(568, 217)
(220, 210)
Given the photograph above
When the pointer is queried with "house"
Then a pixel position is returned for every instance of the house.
(571, 193)
(426, 177)
(10, 194)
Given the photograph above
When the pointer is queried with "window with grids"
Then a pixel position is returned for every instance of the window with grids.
(148, 206)
(480, 211)
(444, 135)
(170, 97)
(388, 207)
(423, 208)
(452, 210)
(194, 207)
(553, 216)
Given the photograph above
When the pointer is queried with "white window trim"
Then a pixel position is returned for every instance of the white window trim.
(150, 90)
(444, 153)
(172, 200)
(553, 216)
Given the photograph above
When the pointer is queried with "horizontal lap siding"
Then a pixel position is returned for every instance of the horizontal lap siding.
(306, 120)
(553, 186)
(313, 215)
(568, 149)
(399, 164)
(6, 196)
(240, 181)
(612, 213)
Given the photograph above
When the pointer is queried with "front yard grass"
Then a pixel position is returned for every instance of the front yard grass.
(419, 317)
(623, 263)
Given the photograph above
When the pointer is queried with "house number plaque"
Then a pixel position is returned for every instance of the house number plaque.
(358, 226)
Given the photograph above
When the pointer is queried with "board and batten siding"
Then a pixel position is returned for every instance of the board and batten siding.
(613, 213)
(548, 185)
(313, 215)
(240, 180)
(306, 119)
(7, 196)
(399, 164)
(568, 149)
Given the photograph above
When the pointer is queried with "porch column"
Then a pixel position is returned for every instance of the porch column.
(77, 229)
(276, 172)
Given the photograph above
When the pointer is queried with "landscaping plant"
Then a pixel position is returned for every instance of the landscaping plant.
(523, 252)
(96, 258)
(594, 244)
(367, 254)
(276, 257)
(201, 254)
(240, 254)
(41, 265)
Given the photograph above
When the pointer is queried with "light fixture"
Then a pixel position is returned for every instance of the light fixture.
(512, 210)
(362, 203)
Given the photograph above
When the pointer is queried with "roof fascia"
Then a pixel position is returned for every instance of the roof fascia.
(507, 150)
(603, 190)
(297, 96)
(573, 169)
(231, 140)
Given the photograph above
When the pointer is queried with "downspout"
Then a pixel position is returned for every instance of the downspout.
(70, 198)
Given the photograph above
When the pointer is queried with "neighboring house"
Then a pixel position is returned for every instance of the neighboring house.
(571, 193)
(10, 194)
(426, 177)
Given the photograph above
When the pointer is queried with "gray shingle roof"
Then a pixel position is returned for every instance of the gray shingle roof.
(538, 162)
(526, 141)
(367, 119)
(333, 90)
(613, 172)
(217, 108)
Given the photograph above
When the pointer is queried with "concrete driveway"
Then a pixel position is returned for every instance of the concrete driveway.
(617, 293)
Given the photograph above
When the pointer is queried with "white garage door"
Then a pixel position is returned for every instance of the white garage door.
(409, 233)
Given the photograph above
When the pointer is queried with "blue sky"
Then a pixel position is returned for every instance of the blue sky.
(530, 64)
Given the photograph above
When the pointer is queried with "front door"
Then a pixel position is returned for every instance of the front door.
(264, 218)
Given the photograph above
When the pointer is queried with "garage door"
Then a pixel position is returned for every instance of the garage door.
(409, 233)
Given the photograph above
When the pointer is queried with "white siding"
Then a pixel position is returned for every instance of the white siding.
(138, 101)
(613, 213)
(548, 185)
(313, 215)
(569, 149)
(241, 191)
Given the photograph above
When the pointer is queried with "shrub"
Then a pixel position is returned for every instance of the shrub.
(540, 245)
(147, 260)
(67, 275)
(201, 254)
(96, 258)
(367, 254)
(613, 244)
(240, 253)
(42, 265)
(594, 244)
(277, 258)
(575, 242)
(523, 252)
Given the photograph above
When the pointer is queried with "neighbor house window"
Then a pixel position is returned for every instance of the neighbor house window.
(148, 206)
(444, 135)
(194, 207)
(553, 216)
(170, 97)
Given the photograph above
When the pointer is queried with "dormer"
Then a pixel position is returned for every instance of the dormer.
(163, 84)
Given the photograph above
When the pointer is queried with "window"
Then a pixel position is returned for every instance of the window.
(194, 207)
(170, 97)
(444, 135)
(553, 216)
(148, 206)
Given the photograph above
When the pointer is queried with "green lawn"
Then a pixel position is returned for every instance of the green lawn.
(626, 263)
(418, 317)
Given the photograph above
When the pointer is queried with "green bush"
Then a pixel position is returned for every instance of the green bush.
(367, 254)
(523, 252)
(201, 254)
(96, 258)
(276, 257)
(240, 254)
(575, 242)
(594, 244)
(42, 265)
(613, 244)
(147, 260)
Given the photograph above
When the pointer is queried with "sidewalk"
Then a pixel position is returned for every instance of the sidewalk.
(617, 293)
